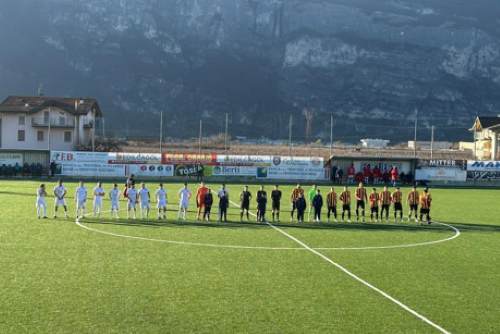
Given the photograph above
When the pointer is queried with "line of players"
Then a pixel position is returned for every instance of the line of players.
(133, 196)
(379, 203)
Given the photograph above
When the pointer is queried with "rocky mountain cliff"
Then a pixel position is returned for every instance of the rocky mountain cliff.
(370, 63)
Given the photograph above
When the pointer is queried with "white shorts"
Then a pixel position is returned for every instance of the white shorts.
(161, 205)
(41, 202)
(115, 206)
(144, 205)
(80, 204)
(60, 202)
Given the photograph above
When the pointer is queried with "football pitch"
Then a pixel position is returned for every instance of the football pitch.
(147, 276)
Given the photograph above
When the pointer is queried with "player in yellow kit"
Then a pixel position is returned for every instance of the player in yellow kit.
(385, 203)
(425, 205)
(412, 201)
(361, 199)
(345, 198)
(397, 198)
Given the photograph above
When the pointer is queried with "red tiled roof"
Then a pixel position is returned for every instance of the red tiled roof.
(33, 104)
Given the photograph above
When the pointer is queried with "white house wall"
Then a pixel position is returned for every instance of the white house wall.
(10, 126)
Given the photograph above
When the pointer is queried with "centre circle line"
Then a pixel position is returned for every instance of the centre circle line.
(243, 247)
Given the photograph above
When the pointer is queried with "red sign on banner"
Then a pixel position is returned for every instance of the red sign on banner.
(189, 158)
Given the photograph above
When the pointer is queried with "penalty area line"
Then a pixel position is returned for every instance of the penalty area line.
(357, 278)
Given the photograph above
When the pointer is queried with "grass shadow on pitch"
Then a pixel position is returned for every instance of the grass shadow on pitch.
(474, 227)
(254, 225)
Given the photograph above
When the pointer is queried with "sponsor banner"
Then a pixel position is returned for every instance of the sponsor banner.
(234, 171)
(292, 173)
(136, 158)
(440, 174)
(92, 169)
(151, 170)
(189, 158)
(483, 175)
(11, 159)
(298, 161)
(68, 157)
(268, 160)
(188, 170)
(442, 163)
(244, 160)
(483, 166)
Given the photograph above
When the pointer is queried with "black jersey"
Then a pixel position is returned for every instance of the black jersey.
(245, 197)
(262, 197)
(276, 196)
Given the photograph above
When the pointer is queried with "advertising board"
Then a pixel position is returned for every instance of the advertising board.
(92, 169)
(483, 166)
(234, 171)
(188, 170)
(151, 170)
(268, 160)
(292, 173)
(440, 174)
(136, 158)
(68, 157)
(189, 158)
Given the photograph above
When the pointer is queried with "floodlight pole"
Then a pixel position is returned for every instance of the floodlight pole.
(94, 125)
(226, 134)
(432, 141)
(161, 132)
(331, 135)
(199, 137)
(49, 130)
(415, 134)
(290, 132)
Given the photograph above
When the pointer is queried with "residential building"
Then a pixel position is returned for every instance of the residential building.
(486, 130)
(47, 123)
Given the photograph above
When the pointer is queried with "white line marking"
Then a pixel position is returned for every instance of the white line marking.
(304, 246)
(359, 279)
(425, 243)
(77, 222)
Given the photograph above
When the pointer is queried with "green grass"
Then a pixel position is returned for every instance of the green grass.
(57, 277)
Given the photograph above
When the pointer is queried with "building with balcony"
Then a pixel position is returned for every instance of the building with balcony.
(47, 123)
(486, 130)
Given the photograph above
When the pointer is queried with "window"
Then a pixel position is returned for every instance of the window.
(40, 135)
(22, 120)
(20, 135)
(67, 136)
(62, 120)
(46, 117)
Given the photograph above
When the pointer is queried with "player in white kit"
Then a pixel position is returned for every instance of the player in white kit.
(80, 200)
(131, 200)
(98, 198)
(114, 196)
(41, 204)
(144, 198)
(161, 200)
(60, 194)
(184, 197)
